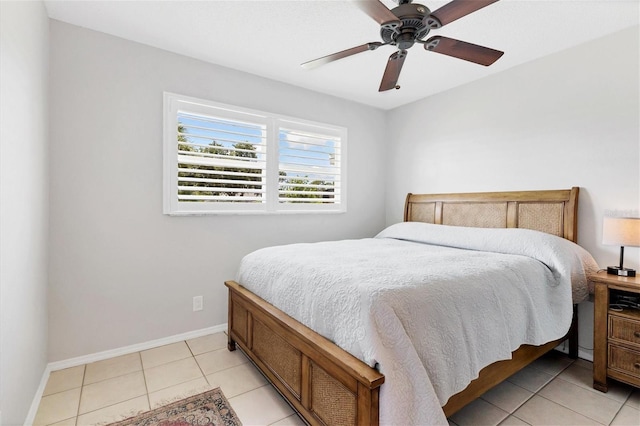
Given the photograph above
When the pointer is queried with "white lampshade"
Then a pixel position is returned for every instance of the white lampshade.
(621, 231)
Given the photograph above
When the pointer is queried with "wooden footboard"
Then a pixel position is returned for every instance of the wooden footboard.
(325, 384)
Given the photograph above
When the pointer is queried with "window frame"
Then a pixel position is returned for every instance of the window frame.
(173, 103)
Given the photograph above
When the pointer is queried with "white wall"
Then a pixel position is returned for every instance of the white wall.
(570, 119)
(24, 157)
(123, 273)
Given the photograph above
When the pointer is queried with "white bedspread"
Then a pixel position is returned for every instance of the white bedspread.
(428, 315)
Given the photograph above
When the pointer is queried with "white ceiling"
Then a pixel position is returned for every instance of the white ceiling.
(272, 38)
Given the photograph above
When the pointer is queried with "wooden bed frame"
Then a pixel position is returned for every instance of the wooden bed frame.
(329, 386)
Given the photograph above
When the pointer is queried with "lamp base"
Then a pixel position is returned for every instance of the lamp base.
(623, 272)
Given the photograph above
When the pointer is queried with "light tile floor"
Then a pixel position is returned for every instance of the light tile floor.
(554, 390)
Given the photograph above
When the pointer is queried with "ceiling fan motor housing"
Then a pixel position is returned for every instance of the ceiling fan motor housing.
(416, 23)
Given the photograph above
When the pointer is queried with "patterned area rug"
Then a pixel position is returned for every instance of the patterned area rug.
(210, 408)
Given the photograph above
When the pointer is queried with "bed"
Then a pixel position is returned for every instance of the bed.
(329, 385)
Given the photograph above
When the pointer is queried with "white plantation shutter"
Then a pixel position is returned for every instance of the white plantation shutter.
(224, 159)
(220, 160)
(309, 165)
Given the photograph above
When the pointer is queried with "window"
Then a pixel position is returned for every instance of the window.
(224, 159)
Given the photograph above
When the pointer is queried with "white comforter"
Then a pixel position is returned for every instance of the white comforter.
(428, 315)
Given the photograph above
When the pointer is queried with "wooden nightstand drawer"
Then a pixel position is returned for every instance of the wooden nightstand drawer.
(625, 360)
(616, 334)
(625, 330)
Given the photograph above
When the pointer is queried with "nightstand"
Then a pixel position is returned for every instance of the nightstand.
(616, 332)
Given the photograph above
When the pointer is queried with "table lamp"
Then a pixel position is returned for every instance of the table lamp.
(622, 231)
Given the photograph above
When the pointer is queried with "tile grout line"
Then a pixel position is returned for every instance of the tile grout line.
(553, 377)
(192, 356)
(115, 403)
(581, 387)
(111, 377)
(572, 410)
(597, 392)
(198, 364)
(224, 369)
(196, 361)
(590, 389)
(267, 384)
(108, 406)
(517, 407)
(84, 374)
(615, 415)
(625, 404)
(144, 376)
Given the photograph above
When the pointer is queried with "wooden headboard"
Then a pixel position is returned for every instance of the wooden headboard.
(554, 212)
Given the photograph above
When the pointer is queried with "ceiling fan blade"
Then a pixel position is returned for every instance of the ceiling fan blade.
(463, 50)
(380, 13)
(342, 54)
(392, 71)
(459, 8)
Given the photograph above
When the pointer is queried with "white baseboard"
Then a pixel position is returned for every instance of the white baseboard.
(585, 354)
(99, 356)
(31, 415)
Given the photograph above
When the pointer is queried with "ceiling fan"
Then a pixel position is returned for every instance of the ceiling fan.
(408, 24)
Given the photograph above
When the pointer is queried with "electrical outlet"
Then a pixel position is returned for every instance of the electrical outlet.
(197, 303)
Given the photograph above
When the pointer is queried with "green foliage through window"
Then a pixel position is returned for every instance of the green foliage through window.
(217, 162)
